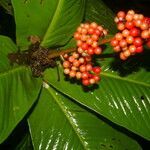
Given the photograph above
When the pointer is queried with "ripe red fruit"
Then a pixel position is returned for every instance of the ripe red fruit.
(123, 43)
(114, 42)
(129, 25)
(85, 82)
(96, 70)
(84, 46)
(85, 75)
(138, 41)
(98, 50)
(135, 32)
(139, 49)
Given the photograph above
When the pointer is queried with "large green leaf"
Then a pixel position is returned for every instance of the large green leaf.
(59, 123)
(124, 100)
(97, 11)
(18, 90)
(52, 20)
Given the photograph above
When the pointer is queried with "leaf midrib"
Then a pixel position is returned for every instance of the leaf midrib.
(50, 91)
(52, 21)
(105, 74)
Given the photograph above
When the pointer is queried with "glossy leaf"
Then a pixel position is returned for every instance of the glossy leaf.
(59, 123)
(18, 90)
(53, 21)
(124, 100)
(97, 11)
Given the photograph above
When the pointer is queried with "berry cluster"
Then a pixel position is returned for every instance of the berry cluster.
(79, 64)
(134, 32)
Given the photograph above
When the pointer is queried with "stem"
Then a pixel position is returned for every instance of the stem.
(54, 54)
(104, 41)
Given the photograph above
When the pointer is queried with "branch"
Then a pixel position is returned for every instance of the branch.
(54, 54)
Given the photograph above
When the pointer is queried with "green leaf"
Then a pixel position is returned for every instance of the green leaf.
(97, 11)
(18, 90)
(54, 21)
(59, 123)
(123, 100)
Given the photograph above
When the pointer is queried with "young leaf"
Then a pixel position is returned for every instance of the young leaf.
(59, 123)
(54, 21)
(18, 90)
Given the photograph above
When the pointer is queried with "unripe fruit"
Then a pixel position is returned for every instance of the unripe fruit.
(72, 73)
(125, 33)
(122, 56)
(119, 36)
(130, 39)
(121, 14)
(145, 34)
(132, 49)
(123, 43)
(120, 26)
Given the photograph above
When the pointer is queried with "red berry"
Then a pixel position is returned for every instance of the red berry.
(66, 64)
(132, 49)
(85, 82)
(130, 39)
(88, 67)
(119, 36)
(145, 34)
(98, 50)
(96, 70)
(84, 46)
(78, 75)
(121, 14)
(120, 26)
(129, 25)
(134, 32)
(139, 49)
(125, 33)
(114, 42)
(122, 56)
(72, 73)
(90, 51)
(129, 17)
(82, 68)
(137, 41)
(123, 43)
(96, 78)
(92, 81)
(76, 63)
(117, 48)
(66, 71)
(85, 75)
